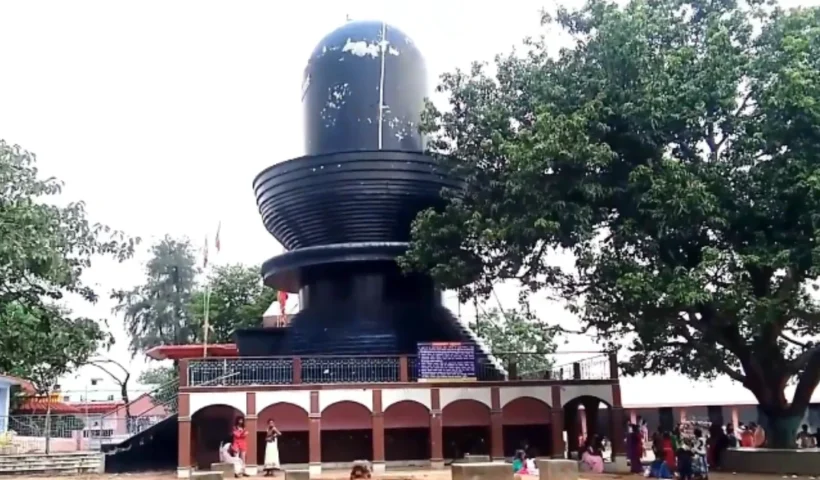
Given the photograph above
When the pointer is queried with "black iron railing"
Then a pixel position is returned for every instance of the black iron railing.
(385, 369)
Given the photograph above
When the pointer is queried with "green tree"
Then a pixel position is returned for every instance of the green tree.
(517, 335)
(44, 251)
(237, 300)
(673, 150)
(158, 312)
(46, 344)
(165, 383)
(156, 376)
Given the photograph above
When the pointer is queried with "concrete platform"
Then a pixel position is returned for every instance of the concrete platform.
(766, 460)
(207, 475)
(481, 471)
(224, 467)
(557, 469)
(297, 474)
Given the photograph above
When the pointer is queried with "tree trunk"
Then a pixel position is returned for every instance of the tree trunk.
(781, 426)
(47, 423)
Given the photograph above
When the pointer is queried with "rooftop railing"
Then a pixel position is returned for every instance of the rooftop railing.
(387, 369)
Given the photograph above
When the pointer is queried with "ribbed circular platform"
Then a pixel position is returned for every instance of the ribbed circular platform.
(350, 197)
(288, 271)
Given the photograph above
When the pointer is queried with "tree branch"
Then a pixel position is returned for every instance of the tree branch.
(807, 382)
(701, 348)
(793, 341)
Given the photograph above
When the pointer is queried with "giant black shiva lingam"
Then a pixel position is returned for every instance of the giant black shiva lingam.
(343, 211)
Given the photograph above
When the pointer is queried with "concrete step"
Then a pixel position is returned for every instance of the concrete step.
(81, 462)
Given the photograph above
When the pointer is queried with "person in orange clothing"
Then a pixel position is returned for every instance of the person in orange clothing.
(747, 437)
(759, 435)
(240, 439)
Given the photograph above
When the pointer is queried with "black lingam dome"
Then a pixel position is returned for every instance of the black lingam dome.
(343, 211)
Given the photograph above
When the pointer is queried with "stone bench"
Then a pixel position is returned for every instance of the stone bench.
(557, 469)
(481, 471)
(804, 461)
(297, 474)
(470, 458)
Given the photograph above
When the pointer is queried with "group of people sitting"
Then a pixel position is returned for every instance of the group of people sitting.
(592, 455)
(690, 449)
(524, 464)
(674, 452)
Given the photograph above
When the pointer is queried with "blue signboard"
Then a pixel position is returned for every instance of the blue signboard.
(446, 361)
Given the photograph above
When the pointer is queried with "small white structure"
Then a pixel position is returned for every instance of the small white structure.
(6, 382)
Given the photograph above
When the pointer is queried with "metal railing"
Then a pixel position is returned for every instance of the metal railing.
(31, 433)
(384, 369)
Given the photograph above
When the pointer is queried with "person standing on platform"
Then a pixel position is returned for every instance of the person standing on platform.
(240, 439)
(272, 449)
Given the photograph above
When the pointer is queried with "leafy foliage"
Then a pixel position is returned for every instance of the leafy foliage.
(156, 376)
(673, 151)
(158, 312)
(517, 336)
(165, 381)
(169, 308)
(44, 250)
(237, 299)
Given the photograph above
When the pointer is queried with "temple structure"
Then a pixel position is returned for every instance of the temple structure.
(343, 378)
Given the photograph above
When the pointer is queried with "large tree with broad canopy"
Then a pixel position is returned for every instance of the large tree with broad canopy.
(674, 150)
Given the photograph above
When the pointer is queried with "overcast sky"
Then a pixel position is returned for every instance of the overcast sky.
(158, 114)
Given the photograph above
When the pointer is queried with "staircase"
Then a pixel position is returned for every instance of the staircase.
(55, 463)
(152, 440)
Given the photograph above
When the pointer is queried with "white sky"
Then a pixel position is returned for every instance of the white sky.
(159, 114)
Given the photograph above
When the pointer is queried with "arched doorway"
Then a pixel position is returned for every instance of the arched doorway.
(210, 426)
(584, 417)
(293, 421)
(466, 429)
(526, 423)
(347, 432)
(406, 431)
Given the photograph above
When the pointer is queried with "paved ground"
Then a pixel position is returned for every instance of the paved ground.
(393, 475)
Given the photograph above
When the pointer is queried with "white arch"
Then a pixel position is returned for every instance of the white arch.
(300, 398)
(450, 395)
(508, 394)
(392, 396)
(361, 396)
(571, 392)
(200, 400)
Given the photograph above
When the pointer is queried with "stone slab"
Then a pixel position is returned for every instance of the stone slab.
(470, 458)
(224, 467)
(481, 471)
(297, 474)
(208, 475)
(557, 469)
(805, 461)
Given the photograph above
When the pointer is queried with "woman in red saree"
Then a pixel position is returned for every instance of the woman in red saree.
(240, 438)
(668, 451)
(634, 449)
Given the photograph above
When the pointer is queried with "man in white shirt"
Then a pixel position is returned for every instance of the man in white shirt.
(226, 456)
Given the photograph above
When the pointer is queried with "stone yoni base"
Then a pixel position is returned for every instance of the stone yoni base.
(297, 474)
(224, 467)
(481, 471)
(207, 475)
(477, 458)
(557, 469)
(766, 460)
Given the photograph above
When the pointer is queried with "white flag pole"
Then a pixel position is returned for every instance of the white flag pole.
(206, 304)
